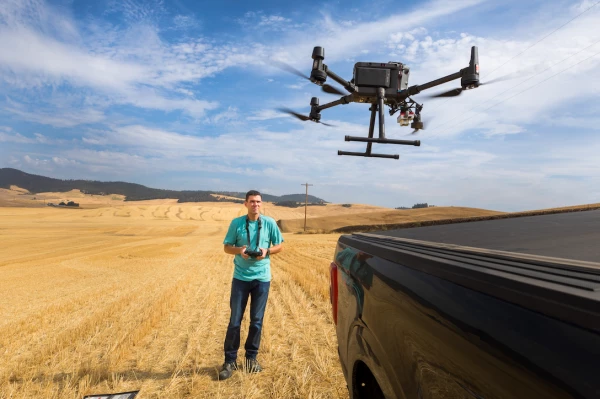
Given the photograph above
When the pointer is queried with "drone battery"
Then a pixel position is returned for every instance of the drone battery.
(403, 75)
(372, 77)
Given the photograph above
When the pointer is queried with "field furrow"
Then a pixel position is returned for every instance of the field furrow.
(137, 297)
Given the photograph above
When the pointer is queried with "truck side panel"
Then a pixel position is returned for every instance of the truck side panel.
(435, 338)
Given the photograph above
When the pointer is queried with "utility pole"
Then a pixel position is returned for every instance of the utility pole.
(305, 202)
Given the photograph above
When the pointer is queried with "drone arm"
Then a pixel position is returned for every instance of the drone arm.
(344, 100)
(416, 89)
(440, 81)
(347, 85)
(469, 77)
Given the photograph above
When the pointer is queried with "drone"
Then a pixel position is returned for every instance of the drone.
(380, 84)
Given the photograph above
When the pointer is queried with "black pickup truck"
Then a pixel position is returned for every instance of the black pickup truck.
(506, 308)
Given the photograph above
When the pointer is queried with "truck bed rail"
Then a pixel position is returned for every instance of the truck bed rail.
(561, 288)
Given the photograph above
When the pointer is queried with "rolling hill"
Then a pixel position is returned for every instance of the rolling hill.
(132, 191)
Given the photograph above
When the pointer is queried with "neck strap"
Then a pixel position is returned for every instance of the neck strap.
(257, 233)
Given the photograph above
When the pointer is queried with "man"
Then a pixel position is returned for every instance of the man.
(249, 238)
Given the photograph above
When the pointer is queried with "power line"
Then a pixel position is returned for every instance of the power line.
(548, 78)
(549, 34)
(526, 80)
(560, 27)
(531, 87)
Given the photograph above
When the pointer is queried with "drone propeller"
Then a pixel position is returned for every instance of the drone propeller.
(301, 117)
(327, 88)
(459, 90)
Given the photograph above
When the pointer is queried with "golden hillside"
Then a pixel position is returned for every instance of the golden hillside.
(380, 217)
(130, 296)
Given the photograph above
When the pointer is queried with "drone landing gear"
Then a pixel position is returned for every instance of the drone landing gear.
(377, 108)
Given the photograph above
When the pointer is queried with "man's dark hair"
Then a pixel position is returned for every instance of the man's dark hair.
(253, 192)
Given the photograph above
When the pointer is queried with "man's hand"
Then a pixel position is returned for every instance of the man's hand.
(243, 252)
(264, 254)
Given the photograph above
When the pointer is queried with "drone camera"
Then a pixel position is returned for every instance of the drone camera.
(417, 124)
(406, 116)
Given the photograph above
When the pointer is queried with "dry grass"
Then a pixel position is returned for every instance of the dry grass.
(379, 217)
(123, 296)
(137, 297)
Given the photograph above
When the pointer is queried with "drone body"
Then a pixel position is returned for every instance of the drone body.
(381, 84)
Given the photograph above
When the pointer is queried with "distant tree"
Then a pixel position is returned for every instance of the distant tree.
(422, 205)
(289, 204)
(132, 192)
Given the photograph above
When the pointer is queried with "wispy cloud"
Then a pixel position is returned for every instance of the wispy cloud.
(258, 20)
(65, 118)
(185, 22)
(7, 135)
(143, 85)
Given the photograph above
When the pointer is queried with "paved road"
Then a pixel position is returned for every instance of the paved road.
(573, 235)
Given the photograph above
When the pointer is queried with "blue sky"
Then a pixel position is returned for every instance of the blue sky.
(182, 95)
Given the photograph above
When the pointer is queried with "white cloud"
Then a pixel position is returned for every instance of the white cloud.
(59, 118)
(129, 66)
(183, 22)
(229, 117)
(40, 138)
(495, 168)
(7, 135)
(266, 114)
(341, 42)
(132, 10)
(15, 138)
(36, 162)
(531, 96)
(258, 20)
(64, 161)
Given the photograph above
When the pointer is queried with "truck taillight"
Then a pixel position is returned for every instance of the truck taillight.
(333, 289)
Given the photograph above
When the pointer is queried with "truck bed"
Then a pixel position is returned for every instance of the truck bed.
(506, 308)
(547, 263)
(572, 235)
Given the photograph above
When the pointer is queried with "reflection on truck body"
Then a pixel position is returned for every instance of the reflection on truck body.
(426, 337)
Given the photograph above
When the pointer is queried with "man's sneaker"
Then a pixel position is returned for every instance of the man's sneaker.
(227, 370)
(252, 366)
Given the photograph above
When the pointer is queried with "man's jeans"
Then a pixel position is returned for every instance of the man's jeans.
(240, 291)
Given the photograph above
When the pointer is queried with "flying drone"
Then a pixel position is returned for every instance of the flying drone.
(380, 84)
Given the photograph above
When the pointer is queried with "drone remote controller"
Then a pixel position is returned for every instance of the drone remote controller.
(253, 254)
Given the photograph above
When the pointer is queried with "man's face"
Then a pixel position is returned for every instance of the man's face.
(253, 204)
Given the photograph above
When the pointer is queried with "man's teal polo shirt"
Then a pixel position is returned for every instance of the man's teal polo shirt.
(252, 269)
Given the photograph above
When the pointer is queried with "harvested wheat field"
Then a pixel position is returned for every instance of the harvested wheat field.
(137, 297)
(379, 217)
